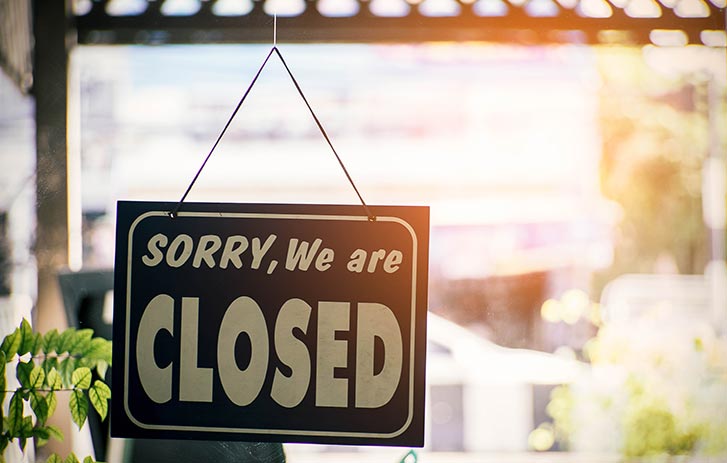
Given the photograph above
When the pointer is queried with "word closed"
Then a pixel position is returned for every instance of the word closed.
(243, 385)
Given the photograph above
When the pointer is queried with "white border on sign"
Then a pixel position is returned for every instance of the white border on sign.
(291, 432)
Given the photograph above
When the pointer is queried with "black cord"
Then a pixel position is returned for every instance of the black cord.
(325, 135)
(369, 214)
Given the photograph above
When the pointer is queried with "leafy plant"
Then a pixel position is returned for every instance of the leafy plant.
(47, 365)
(655, 137)
(657, 387)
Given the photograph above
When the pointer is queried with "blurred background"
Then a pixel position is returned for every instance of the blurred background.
(572, 154)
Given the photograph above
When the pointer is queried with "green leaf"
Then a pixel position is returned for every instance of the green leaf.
(26, 431)
(66, 369)
(86, 362)
(88, 460)
(41, 435)
(11, 343)
(66, 340)
(37, 344)
(41, 432)
(99, 349)
(50, 341)
(54, 458)
(53, 379)
(22, 372)
(28, 338)
(81, 378)
(52, 402)
(103, 389)
(39, 406)
(36, 378)
(3, 382)
(79, 407)
(27, 427)
(99, 395)
(55, 432)
(81, 341)
(15, 414)
(49, 363)
(72, 458)
(101, 368)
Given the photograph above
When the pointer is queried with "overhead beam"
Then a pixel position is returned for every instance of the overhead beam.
(153, 27)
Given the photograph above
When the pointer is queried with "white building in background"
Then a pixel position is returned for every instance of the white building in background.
(481, 395)
(17, 205)
(17, 220)
(501, 142)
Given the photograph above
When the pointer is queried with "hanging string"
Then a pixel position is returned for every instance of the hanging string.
(275, 50)
(219, 137)
(371, 217)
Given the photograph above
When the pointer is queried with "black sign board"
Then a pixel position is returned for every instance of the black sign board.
(269, 322)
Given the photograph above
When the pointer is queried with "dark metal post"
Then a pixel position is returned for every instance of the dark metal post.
(50, 88)
(714, 191)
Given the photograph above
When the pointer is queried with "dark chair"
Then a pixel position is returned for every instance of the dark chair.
(84, 296)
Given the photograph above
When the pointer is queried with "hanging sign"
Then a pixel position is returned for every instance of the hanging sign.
(261, 322)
